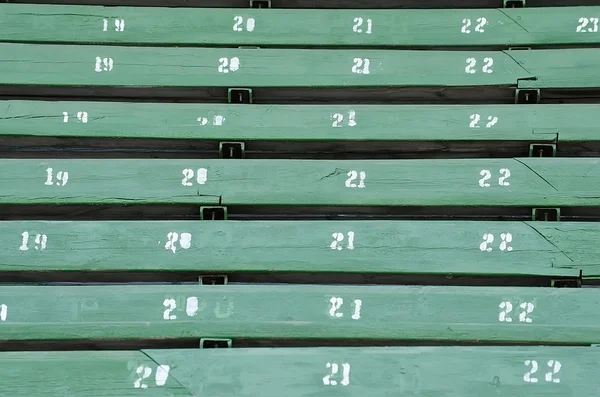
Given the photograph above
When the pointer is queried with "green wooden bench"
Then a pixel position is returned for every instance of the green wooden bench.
(114, 66)
(304, 312)
(555, 182)
(316, 27)
(474, 371)
(500, 249)
(296, 124)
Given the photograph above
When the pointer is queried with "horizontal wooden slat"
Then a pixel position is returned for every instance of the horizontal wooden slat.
(53, 65)
(493, 314)
(570, 123)
(315, 27)
(418, 371)
(434, 247)
(538, 182)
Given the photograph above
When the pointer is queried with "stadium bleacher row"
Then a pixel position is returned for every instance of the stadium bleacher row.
(339, 198)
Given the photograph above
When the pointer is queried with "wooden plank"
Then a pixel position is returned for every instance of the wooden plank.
(56, 65)
(491, 314)
(314, 27)
(31, 64)
(460, 247)
(571, 123)
(472, 182)
(419, 371)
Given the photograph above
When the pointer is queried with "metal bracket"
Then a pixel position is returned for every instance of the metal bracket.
(213, 279)
(545, 214)
(514, 3)
(215, 343)
(232, 150)
(542, 150)
(239, 95)
(566, 283)
(213, 213)
(527, 95)
(260, 3)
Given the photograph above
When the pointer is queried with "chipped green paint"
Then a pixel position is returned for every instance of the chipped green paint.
(491, 314)
(567, 123)
(434, 247)
(407, 27)
(537, 182)
(300, 372)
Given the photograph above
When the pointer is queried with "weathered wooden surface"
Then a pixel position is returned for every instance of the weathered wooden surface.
(169, 26)
(355, 372)
(434, 247)
(492, 314)
(568, 123)
(539, 182)
(32, 64)
(52, 65)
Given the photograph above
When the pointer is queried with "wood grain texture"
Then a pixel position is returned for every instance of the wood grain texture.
(434, 247)
(314, 27)
(567, 123)
(538, 182)
(543, 315)
(32, 64)
(418, 371)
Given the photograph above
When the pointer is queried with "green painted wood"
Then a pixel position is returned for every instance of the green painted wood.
(538, 182)
(491, 314)
(315, 27)
(299, 372)
(300, 122)
(32, 64)
(434, 247)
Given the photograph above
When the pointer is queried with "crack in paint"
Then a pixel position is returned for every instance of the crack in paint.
(535, 172)
(170, 373)
(549, 242)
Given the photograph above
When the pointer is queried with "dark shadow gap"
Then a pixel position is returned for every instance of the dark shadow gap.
(86, 278)
(194, 343)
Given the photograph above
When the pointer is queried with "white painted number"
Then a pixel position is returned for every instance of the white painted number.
(337, 302)
(475, 118)
(466, 26)
(62, 177)
(333, 378)
(338, 238)
(338, 119)
(188, 174)
(216, 120)
(193, 306)
(351, 181)
(3, 312)
(488, 239)
(170, 305)
(506, 307)
(82, 117)
(118, 23)
(227, 65)
(39, 242)
(584, 27)
(143, 372)
(238, 25)
(185, 241)
(360, 28)
(487, 175)
(104, 64)
(361, 66)
(550, 377)
(472, 68)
